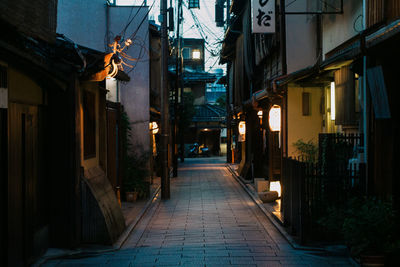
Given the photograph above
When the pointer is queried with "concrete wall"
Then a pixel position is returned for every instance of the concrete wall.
(338, 28)
(299, 126)
(85, 22)
(301, 38)
(35, 18)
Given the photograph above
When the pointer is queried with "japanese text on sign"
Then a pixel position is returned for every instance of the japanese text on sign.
(263, 16)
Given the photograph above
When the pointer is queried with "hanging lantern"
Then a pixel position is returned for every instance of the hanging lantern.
(242, 127)
(274, 118)
(154, 127)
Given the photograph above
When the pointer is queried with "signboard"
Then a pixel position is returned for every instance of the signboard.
(263, 16)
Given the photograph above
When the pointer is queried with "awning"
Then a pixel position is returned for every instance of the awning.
(344, 56)
(296, 76)
(383, 34)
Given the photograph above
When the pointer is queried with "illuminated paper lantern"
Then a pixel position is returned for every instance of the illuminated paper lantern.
(242, 127)
(274, 118)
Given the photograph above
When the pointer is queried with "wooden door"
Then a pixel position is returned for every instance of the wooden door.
(274, 155)
(22, 179)
(3, 185)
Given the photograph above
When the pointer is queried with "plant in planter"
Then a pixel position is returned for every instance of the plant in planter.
(307, 150)
(135, 165)
(369, 228)
(134, 178)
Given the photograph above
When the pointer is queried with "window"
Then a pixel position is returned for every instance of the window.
(306, 104)
(89, 125)
(186, 53)
(196, 54)
(194, 3)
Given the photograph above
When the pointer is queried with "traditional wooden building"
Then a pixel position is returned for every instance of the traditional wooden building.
(53, 149)
(329, 72)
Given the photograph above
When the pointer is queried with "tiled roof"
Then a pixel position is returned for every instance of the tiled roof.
(209, 112)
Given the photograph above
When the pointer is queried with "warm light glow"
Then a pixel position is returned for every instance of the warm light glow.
(333, 110)
(275, 186)
(260, 114)
(196, 54)
(242, 127)
(154, 127)
(274, 118)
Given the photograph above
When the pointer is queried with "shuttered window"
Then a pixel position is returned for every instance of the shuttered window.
(345, 97)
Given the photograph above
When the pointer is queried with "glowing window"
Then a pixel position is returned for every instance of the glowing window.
(196, 54)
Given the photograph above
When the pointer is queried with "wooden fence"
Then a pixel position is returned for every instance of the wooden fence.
(309, 189)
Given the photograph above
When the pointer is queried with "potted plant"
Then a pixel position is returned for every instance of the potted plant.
(369, 230)
(135, 185)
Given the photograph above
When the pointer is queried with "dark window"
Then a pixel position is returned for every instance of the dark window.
(194, 3)
(3, 77)
(89, 125)
(306, 104)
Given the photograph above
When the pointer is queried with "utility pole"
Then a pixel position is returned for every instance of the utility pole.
(165, 185)
(180, 80)
(176, 93)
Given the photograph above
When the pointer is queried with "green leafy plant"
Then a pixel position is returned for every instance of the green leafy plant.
(135, 170)
(369, 226)
(307, 150)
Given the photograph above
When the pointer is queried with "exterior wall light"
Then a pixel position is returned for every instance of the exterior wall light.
(333, 108)
(260, 115)
(274, 118)
(154, 127)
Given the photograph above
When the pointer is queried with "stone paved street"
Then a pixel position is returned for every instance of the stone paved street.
(209, 221)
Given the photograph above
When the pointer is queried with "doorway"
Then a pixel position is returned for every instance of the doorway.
(25, 195)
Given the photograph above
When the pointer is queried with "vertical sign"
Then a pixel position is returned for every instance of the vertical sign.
(263, 16)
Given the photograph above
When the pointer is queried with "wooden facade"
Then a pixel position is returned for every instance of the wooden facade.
(382, 11)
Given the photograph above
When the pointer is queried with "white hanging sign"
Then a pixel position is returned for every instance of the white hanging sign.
(263, 16)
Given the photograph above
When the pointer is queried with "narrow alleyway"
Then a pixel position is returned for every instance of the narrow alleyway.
(209, 221)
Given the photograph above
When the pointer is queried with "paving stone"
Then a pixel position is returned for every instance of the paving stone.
(209, 221)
